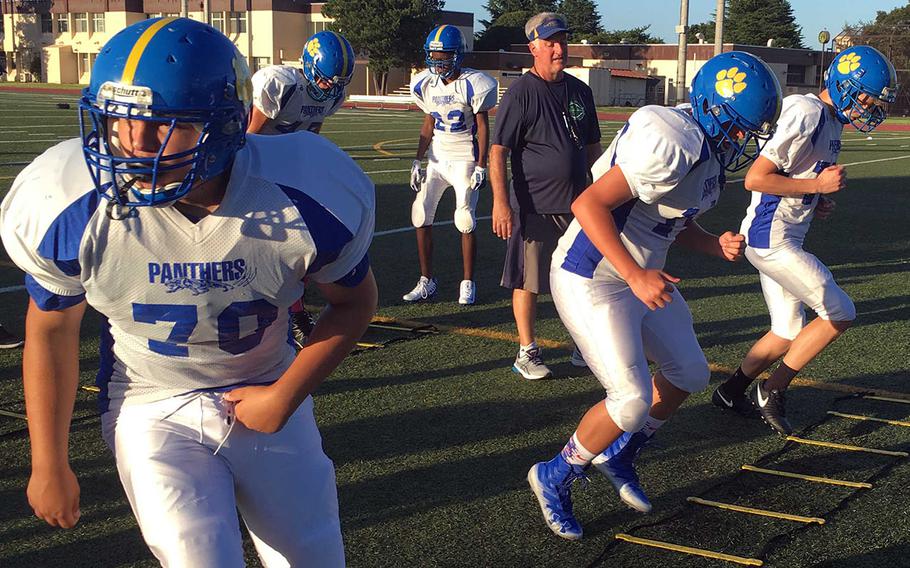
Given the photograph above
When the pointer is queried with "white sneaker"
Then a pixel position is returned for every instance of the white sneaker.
(425, 289)
(530, 365)
(467, 292)
(577, 359)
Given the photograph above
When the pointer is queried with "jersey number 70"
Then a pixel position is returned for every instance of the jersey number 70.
(185, 319)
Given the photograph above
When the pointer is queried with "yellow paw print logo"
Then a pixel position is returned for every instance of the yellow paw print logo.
(313, 47)
(244, 83)
(848, 63)
(730, 82)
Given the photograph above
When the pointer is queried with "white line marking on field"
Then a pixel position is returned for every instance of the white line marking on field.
(406, 229)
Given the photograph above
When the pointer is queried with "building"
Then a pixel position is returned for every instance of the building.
(57, 41)
(797, 70)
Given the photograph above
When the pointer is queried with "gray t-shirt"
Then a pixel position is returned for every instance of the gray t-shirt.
(549, 164)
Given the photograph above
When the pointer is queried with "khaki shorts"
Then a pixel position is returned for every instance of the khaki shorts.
(530, 248)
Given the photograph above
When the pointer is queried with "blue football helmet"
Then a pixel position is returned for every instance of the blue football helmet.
(448, 39)
(171, 71)
(736, 91)
(861, 70)
(329, 57)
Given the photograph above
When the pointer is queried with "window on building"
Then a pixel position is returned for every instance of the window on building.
(218, 21)
(47, 24)
(260, 62)
(98, 22)
(80, 22)
(85, 63)
(63, 23)
(152, 15)
(238, 22)
(796, 74)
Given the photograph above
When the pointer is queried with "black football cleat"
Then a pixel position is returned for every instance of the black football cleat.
(738, 403)
(8, 340)
(770, 405)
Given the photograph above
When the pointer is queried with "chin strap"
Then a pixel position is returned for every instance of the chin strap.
(115, 209)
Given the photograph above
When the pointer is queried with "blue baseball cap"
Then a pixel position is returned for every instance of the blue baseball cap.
(544, 25)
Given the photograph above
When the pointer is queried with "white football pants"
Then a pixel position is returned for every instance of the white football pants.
(441, 175)
(617, 335)
(186, 498)
(791, 277)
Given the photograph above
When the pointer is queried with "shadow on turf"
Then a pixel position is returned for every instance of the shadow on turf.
(872, 559)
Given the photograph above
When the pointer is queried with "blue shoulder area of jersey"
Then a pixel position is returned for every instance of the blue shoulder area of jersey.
(822, 118)
(418, 89)
(583, 257)
(470, 90)
(329, 235)
(61, 242)
(286, 97)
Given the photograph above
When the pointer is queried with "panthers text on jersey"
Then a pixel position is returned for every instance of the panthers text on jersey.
(674, 176)
(191, 306)
(454, 106)
(280, 93)
(807, 141)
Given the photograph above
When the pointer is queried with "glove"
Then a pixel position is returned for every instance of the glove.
(478, 178)
(418, 176)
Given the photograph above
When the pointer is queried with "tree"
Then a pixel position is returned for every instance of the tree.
(754, 22)
(582, 17)
(635, 36)
(507, 22)
(390, 32)
(704, 28)
(889, 32)
(498, 8)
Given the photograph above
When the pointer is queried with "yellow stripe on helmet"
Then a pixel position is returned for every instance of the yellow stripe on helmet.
(132, 62)
(344, 54)
(439, 31)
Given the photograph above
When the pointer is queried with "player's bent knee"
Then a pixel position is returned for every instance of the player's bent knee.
(629, 414)
(845, 314)
(690, 376)
(465, 220)
(419, 217)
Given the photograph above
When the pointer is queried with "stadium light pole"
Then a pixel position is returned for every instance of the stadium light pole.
(719, 27)
(681, 53)
(823, 38)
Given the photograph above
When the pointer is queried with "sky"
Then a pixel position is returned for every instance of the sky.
(663, 15)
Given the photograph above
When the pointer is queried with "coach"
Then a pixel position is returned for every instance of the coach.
(548, 122)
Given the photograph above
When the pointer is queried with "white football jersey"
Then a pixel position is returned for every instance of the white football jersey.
(807, 141)
(454, 107)
(280, 93)
(192, 306)
(674, 176)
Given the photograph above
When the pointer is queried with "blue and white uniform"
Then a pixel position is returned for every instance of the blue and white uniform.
(195, 309)
(280, 93)
(453, 152)
(807, 140)
(674, 176)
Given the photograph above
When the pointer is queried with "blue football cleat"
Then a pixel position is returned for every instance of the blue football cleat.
(551, 483)
(617, 464)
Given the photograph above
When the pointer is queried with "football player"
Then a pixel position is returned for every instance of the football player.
(287, 99)
(790, 182)
(664, 169)
(454, 138)
(192, 241)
